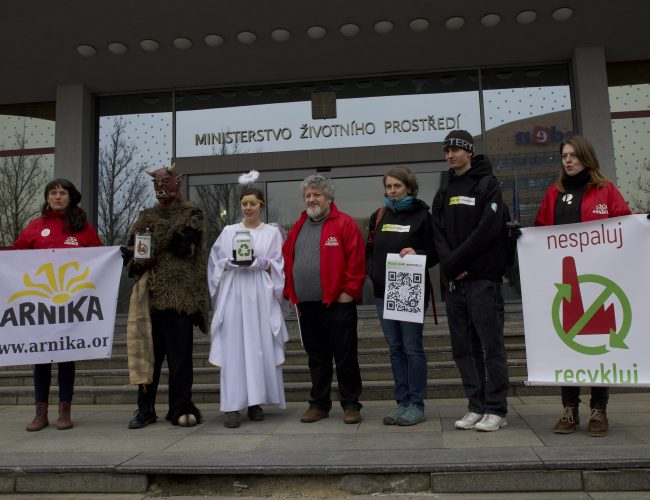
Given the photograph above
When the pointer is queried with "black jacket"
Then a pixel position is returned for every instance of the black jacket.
(419, 237)
(468, 227)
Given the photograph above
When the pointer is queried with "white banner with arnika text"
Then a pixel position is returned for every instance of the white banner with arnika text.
(584, 295)
(58, 304)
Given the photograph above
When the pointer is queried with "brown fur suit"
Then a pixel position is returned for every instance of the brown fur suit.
(177, 283)
(178, 298)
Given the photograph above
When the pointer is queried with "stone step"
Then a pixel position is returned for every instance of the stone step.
(374, 339)
(207, 375)
(293, 358)
(373, 390)
(107, 379)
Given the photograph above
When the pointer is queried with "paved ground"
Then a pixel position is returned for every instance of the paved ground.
(101, 442)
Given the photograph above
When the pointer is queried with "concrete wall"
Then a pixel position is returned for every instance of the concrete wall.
(592, 104)
(73, 158)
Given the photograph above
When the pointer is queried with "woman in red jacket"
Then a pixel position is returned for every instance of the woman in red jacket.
(63, 224)
(581, 194)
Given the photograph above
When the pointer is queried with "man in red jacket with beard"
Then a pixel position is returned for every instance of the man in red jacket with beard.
(325, 268)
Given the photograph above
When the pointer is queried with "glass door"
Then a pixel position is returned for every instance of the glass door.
(359, 193)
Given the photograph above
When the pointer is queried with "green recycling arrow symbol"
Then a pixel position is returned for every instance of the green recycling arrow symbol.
(616, 339)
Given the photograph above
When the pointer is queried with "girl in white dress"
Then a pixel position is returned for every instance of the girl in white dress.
(248, 330)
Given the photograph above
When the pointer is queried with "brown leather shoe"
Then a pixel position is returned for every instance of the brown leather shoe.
(64, 422)
(40, 420)
(314, 415)
(598, 424)
(352, 417)
(568, 422)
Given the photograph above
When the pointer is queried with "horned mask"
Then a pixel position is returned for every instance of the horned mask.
(167, 183)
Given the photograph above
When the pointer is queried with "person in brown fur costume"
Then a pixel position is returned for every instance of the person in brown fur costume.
(170, 297)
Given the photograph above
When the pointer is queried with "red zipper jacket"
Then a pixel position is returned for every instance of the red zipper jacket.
(48, 232)
(597, 203)
(342, 257)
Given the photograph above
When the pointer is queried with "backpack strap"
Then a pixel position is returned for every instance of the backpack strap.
(379, 215)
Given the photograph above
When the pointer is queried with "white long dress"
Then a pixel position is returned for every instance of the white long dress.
(248, 330)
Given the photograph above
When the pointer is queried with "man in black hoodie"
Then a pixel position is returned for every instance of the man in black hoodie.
(468, 224)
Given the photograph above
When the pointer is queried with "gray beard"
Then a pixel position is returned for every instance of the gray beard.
(315, 213)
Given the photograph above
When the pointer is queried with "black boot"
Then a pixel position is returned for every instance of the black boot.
(145, 414)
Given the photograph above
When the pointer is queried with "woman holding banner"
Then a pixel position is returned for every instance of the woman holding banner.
(581, 194)
(403, 226)
(63, 224)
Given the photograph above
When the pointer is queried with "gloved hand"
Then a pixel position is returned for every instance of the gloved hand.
(259, 263)
(127, 254)
(231, 265)
(514, 229)
(648, 216)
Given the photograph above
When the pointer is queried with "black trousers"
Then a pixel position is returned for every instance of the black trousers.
(475, 313)
(172, 338)
(43, 380)
(330, 332)
(571, 395)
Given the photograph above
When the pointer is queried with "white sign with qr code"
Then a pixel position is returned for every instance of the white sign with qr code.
(404, 293)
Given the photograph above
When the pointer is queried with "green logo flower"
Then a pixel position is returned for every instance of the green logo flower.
(244, 250)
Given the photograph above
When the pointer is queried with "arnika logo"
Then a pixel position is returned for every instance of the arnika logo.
(601, 209)
(332, 242)
(55, 303)
(71, 241)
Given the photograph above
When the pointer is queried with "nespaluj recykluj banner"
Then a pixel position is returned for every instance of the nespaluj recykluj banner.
(585, 302)
(58, 304)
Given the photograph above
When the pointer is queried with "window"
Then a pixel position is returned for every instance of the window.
(26, 164)
(629, 100)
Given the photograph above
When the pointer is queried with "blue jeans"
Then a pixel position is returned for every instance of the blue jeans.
(407, 358)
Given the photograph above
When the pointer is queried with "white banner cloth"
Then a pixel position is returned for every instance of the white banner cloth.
(58, 304)
(404, 292)
(585, 302)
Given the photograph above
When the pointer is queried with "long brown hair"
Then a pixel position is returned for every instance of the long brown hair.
(74, 217)
(587, 156)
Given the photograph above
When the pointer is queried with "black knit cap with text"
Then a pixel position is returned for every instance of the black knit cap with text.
(459, 139)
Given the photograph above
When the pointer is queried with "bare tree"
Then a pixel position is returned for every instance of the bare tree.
(123, 190)
(220, 202)
(22, 179)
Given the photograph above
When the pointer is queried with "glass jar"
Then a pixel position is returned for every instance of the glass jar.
(143, 246)
(242, 248)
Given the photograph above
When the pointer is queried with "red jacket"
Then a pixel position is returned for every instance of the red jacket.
(597, 203)
(342, 257)
(47, 232)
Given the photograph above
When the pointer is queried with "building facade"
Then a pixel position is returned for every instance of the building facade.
(97, 92)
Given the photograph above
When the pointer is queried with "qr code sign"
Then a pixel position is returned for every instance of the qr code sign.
(403, 290)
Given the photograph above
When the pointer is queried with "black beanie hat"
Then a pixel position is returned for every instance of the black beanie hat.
(459, 139)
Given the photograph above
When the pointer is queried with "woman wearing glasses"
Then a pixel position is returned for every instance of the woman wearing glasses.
(581, 194)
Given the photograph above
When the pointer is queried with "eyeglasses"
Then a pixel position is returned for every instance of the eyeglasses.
(569, 155)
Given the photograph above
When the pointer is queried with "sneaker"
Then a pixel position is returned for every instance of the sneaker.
(412, 416)
(395, 415)
(469, 421)
(568, 422)
(490, 423)
(598, 425)
(141, 419)
(231, 419)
